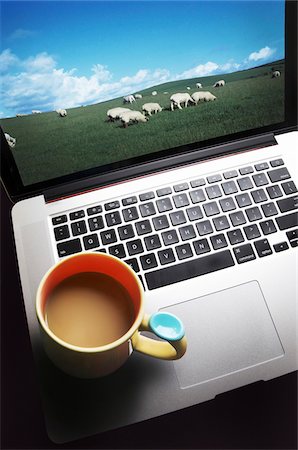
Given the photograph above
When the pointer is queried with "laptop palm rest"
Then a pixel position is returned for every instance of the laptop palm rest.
(227, 331)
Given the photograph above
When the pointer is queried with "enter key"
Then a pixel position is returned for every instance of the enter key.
(288, 204)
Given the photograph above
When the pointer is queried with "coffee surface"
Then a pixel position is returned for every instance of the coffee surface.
(89, 310)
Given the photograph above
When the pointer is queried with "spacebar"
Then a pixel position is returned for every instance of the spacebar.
(189, 269)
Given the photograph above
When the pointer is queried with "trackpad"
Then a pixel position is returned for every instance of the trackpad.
(227, 331)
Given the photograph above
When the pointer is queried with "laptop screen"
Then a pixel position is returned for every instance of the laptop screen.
(93, 84)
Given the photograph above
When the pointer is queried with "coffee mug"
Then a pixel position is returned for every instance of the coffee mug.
(99, 360)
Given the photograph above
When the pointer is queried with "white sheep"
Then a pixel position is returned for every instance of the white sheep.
(138, 96)
(21, 115)
(199, 85)
(132, 116)
(188, 88)
(165, 92)
(151, 108)
(36, 111)
(204, 96)
(177, 99)
(219, 83)
(114, 113)
(275, 74)
(129, 99)
(61, 112)
(154, 93)
(10, 140)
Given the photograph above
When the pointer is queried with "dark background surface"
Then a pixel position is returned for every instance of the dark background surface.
(258, 416)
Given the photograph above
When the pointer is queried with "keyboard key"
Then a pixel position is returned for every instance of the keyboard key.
(166, 256)
(263, 248)
(230, 174)
(253, 214)
(135, 247)
(59, 219)
(108, 237)
(268, 227)
(244, 253)
(246, 170)
(143, 227)
(94, 210)
(204, 227)
(147, 209)
(227, 204)
(197, 196)
(244, 183)
(61, 232)
(69, 247)
(259, 195)
(187, 232)
(218, 241)
(133, 263)
(181, 187)
(197, 183)
(201, 246)
(252, 231)
(177, 218)
(288, 204)
(229, 187)
(289, 187)
(160, 223)
(170, 237)
(274, 191)
(235, 236)
(292, 235)
(152, 242)
(77, 215)
(148, 261)
(276, 162)
(117, 250)
(95, 223)
(281, 246)
(211, 209)
(164, 191)
(164, 205)
(113, 218)
(180, 200)
(130, 213)
(91, 241)
(214, 178)
(288, 221)
(112, 205)
(278, 174)
(261, 166)
(184, 251)
(260, 179)
(129, 201)
(237, 218)
(78, 228)
(147, 196)
(194, 213)
(126, 232)
(269, 209)
(189, 269)
(243, 200)
(213, 192)
(221, 223)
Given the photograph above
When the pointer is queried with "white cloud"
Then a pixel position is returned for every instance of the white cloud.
(21, 33)
(7, 59)
(101, 73)
(39, 63)
(199, 71)
(263, 53)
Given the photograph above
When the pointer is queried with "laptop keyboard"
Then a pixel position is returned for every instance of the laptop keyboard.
(192, 228)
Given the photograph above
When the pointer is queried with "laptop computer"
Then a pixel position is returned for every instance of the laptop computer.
(194, 185)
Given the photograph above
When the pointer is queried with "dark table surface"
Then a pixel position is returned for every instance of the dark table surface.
(259, 416)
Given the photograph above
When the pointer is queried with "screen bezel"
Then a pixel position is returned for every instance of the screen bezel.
(145, 164)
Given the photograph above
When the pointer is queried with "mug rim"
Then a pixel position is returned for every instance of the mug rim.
(101, 348)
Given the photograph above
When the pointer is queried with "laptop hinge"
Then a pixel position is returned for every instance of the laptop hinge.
(96, 182)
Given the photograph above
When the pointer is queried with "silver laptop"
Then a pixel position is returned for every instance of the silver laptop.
(170, 142)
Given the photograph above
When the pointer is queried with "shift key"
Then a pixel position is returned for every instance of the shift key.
(288, 204)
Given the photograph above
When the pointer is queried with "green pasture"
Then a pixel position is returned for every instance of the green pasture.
(49, 146)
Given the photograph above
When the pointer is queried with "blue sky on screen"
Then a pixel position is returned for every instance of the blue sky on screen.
(68, 53)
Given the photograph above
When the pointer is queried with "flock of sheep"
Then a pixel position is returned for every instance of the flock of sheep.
(126, 115)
